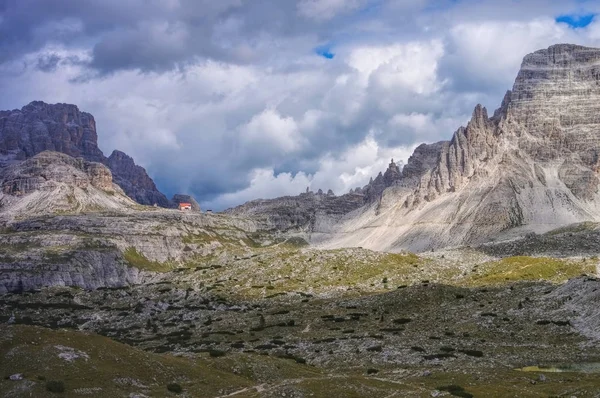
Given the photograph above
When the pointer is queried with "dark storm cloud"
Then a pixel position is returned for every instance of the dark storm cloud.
(48, 63)
(154, 34)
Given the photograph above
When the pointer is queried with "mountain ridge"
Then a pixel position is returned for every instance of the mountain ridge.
(530, 167)
(39, 126)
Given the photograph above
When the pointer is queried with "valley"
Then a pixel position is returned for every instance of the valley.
(472, 271)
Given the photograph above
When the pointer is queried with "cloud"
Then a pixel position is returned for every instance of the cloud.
(231, 100)
(268, 134)
(349, 170)
(487, 55)
(48, 62)
(322, 10)
(149, 45)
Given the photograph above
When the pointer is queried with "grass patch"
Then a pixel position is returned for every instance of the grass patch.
(522, 268)
(117, 368)
(138, 260)
(55, 386)
(575, 228)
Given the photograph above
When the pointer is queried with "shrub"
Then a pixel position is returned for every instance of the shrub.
(473, 353)
(216, 353)
(456, 391)
(55, 386)
(174, 387)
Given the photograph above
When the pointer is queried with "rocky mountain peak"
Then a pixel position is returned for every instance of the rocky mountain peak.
(533, 165)
(39, 127)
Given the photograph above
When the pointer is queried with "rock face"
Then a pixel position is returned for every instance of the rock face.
(307, 212)
(54, 182)
(135, 181)
(531, 167)
(113, 249)
(39, 127)
(84, 269)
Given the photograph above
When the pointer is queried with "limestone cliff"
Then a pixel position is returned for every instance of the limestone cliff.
(39, 127)
(532, 166)
(307, 212)
(51, 182)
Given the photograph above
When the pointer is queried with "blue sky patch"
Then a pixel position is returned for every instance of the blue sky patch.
(325, 52)
(576, 21)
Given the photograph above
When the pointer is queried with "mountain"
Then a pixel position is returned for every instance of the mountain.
(532, 166)
(309, 211)
(302, 213)
(39, 127)
(52, 182)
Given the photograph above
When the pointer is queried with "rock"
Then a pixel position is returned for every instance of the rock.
(135, 181)
(532, 165)
(16, 377)
(40, 127)
(179, 198)
(303, 213)
(83, 269)
(52, 182)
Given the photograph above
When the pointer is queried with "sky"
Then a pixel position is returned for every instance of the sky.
(234, 100)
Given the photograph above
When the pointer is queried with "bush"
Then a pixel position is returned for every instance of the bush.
(473, 353)
(456, 391)
(174, 387)
(55, 386)
(217, 353)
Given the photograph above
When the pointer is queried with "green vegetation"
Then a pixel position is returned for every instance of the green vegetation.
(114, 368)
(55, 386)
(174, 387)
(138, 260)
(575, 228)
(514, 269)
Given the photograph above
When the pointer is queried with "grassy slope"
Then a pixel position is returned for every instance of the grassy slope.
(523, 268)
(352, 272)
(117, 370)
(114, 367)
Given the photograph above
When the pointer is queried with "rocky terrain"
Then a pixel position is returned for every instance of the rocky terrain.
(101, 295)
(317, 212)
(39, 127)
(51, 182)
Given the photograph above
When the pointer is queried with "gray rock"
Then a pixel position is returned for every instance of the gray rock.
(40, 127)
(531, 167)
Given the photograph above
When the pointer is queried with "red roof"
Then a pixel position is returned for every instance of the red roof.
(185, 204)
